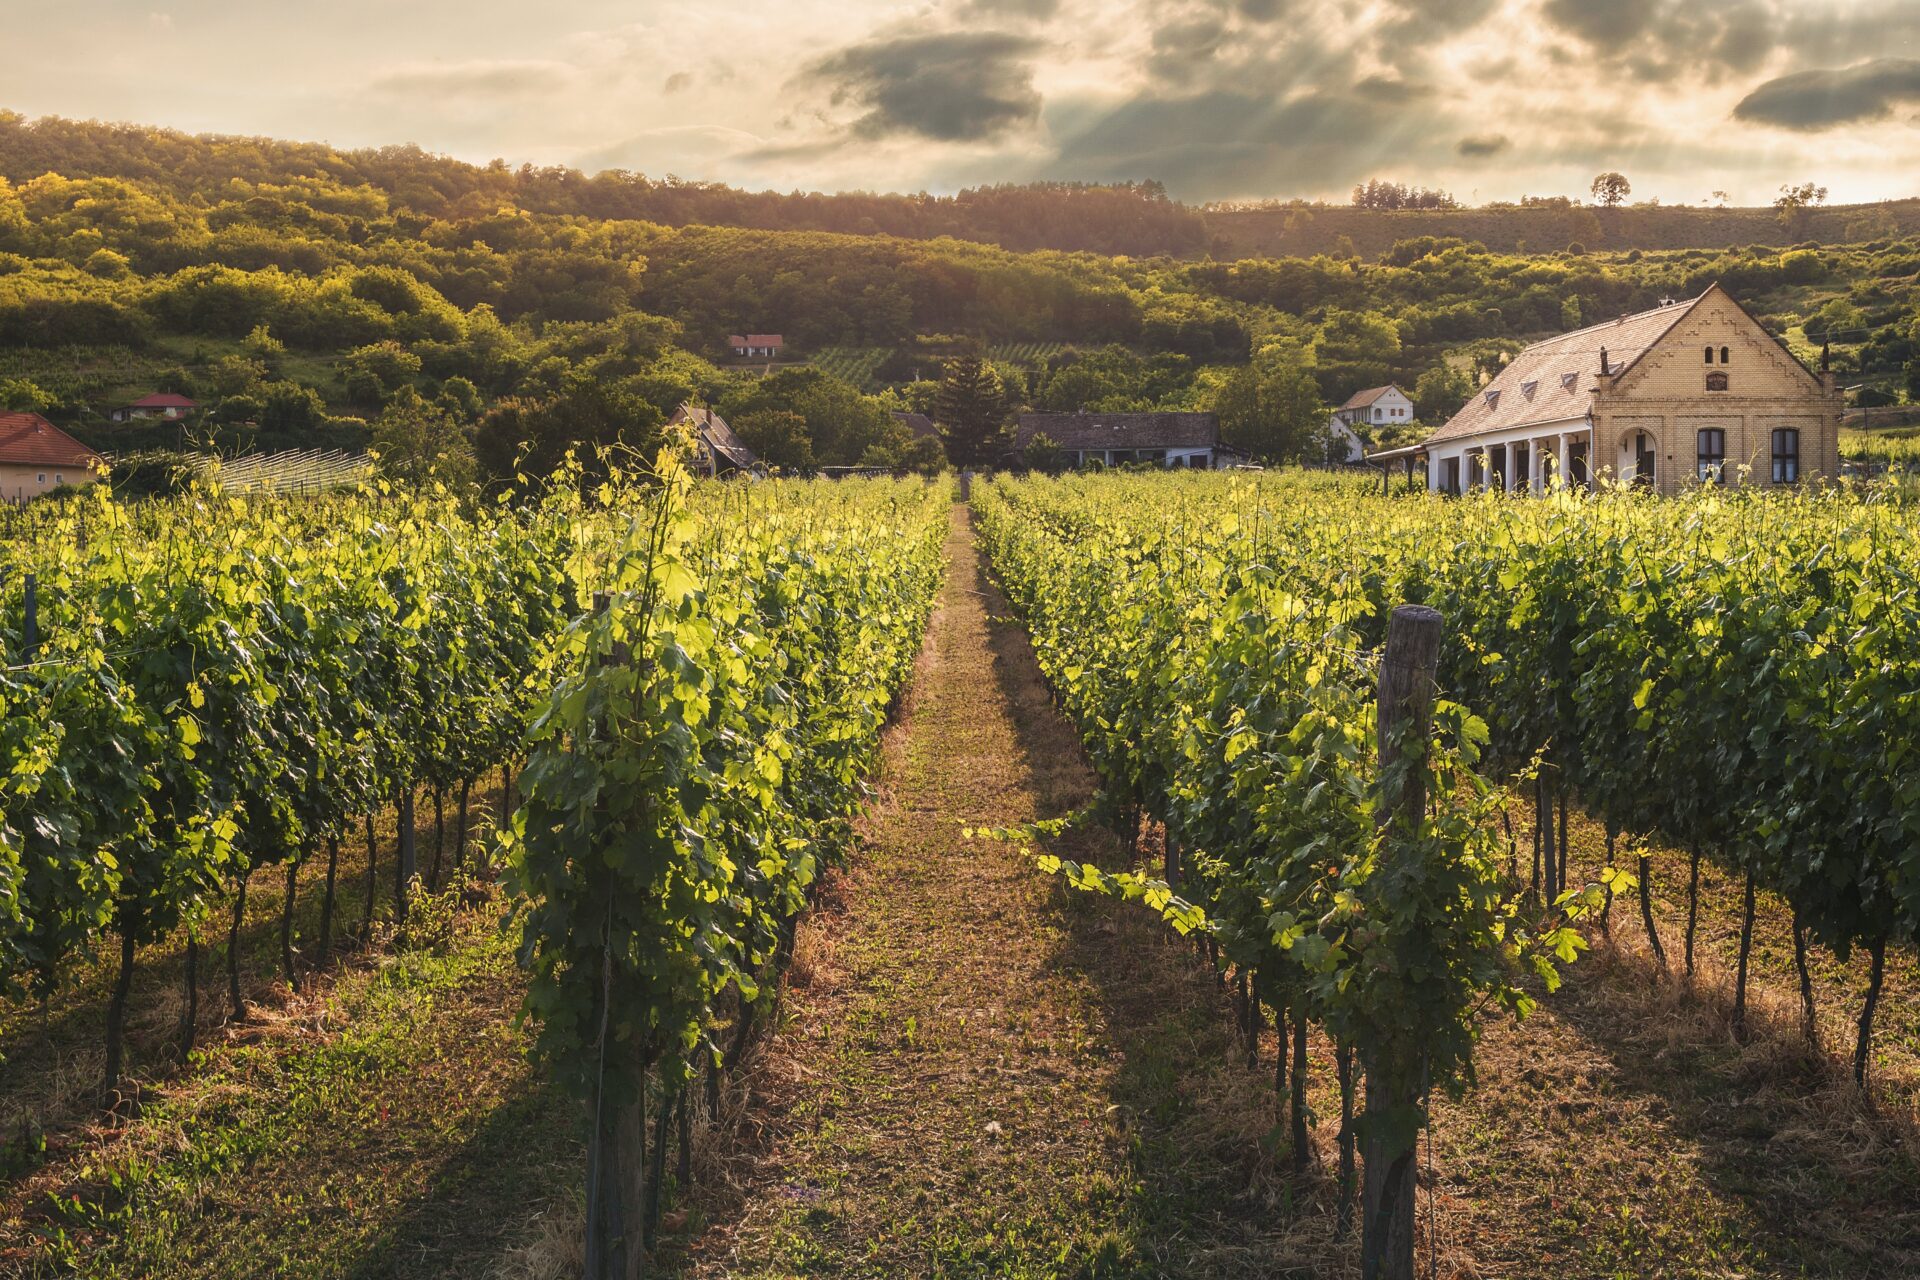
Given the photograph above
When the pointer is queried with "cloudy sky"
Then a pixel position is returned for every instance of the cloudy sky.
(1219, 99)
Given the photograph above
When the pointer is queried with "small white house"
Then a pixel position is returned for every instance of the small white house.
(757, 346)
(1386, 406)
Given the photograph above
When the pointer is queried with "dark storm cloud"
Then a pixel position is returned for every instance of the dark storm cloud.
(1653, 39)
(950, 87)
(1185, 48)
(1481, 145)
(1812, 100)
(1226, 142)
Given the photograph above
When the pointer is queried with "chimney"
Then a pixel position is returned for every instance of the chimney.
(1826, 357)
(1606, 366)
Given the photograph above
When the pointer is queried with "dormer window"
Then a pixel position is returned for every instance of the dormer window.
(1528, 388)
(1567, 380)
(1493, 399)
(1716, 381)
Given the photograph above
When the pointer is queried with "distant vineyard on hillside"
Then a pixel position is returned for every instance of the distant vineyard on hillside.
(293, 471)
(856, 366)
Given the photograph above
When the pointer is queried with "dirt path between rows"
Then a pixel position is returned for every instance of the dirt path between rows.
(975, 1070)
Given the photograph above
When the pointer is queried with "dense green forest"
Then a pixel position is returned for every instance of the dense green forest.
(460, 314)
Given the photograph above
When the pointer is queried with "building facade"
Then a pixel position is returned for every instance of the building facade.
(1116, 439)
(1687, 393)
(757, 346)
(161, 404)
(37, 458)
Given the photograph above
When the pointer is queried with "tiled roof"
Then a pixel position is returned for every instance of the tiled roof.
(717, 435)
(163, 400)
(755, 340)
(1121, 430)
(918, 423)
(1361, 399)
(29, 440)
(1555, 379)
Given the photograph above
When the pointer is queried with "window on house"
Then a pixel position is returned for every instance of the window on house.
(1786, 456)
(1710, 452)
(1567, 380)
(1723, 355)
(1709, 355)
(1528, 388)
(1716, 381)
(1493, 399)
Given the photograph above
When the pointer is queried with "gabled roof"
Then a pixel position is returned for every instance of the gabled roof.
(163, 400)
(1554, 396)
(755, 340)
(1361, 399)
(715, 434)
(1121, 430)
(29, 440)
(918, 423)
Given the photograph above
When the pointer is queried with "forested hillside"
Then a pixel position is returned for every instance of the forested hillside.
(307, 297)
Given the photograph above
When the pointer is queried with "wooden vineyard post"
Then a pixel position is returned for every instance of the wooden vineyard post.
(1395, 1072)
(617, 1139)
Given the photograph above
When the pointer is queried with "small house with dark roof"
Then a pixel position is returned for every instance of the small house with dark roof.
(1694, 392)
(37, 457)
(1114, 439)
(161, 404)
(717, 450)
(757, 346)
(919, 423)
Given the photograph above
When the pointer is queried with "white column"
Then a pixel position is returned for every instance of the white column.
(1506, 466)
(1537, 465)
(1566, 459)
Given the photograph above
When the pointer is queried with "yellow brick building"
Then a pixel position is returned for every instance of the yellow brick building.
(1687, 393)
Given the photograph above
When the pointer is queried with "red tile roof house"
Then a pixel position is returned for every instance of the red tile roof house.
(161, 404)
(757, 346)
(37, 457)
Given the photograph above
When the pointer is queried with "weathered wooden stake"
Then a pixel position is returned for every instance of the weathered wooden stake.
(1395, 1072)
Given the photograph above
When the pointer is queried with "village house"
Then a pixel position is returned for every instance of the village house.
(37, 457)
(717, 450)
(920, 424)
(1689, 392)
(756, 346)
(161, 404)
(1114, 439)
(1386, 406)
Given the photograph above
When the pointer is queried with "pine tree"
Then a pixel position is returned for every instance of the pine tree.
(971, 412)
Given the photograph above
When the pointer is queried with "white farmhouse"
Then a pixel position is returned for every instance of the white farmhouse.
(1386, 406)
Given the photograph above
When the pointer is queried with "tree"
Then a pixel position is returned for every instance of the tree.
(369, 372)
(971, 412)
(1439, 393)
(1794, 204)
(1610, 188)
(1274, 413)
(1042, 454)
(778, 436)
(416, 441)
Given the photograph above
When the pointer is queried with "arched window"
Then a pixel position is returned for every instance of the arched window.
(1723, 355)
(1709, 355)
(1710, 455)
(1716, 381)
